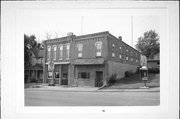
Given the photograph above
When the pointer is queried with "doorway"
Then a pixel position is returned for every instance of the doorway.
(64, 76)
(99, 79)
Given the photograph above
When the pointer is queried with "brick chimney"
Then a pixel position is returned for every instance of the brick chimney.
(120, 38)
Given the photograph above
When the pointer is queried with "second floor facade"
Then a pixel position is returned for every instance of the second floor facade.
(91, 46)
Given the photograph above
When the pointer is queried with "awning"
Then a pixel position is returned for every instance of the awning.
(59, 63)
(88, 61)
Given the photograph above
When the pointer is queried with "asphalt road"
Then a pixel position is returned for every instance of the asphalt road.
(60, 98)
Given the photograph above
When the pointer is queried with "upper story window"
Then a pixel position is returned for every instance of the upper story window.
(67, 51)
(98, 48)
(136, 61)
(54, 53)
(120, 56)
(113, 45)
(126, 58)
(126, 50)
(49, 52)
(60, 52)
(113, 54)
(132, 53)
(120, 47)
(80, 46)
(131, 59)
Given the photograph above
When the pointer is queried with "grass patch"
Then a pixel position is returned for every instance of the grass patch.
(135, 82)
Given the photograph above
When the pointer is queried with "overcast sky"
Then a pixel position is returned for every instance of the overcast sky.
(40, 22)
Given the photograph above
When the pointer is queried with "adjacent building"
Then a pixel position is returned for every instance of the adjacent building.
(34, 68)
(87, 60)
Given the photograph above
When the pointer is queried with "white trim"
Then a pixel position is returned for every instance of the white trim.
(58, 63)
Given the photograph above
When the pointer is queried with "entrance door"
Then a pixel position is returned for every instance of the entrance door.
(99, 79)
(64, 76)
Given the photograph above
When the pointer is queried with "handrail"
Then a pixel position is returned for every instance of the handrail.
(100, 83)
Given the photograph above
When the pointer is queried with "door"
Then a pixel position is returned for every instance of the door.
(64, 76)
(99, 79)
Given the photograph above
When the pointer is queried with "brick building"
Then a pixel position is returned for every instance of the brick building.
(87, 60)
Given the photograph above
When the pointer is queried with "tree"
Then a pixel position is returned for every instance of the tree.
(148, 44)
(29, 43)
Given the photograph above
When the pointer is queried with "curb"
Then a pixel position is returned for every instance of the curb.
(94, 90)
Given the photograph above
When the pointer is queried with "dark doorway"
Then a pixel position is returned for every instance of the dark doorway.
(99, 79)
(64, 76)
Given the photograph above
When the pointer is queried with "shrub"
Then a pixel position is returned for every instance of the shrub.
(112, 79)
(33, 80)
(153, 70)
(128, 73)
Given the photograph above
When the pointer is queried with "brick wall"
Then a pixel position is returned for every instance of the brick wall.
(119, 68)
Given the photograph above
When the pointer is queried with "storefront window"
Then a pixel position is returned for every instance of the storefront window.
(84, 75)
(56, 74)
(50, 74)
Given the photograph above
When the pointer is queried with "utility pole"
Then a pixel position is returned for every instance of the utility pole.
(132, 31)
(82, 19)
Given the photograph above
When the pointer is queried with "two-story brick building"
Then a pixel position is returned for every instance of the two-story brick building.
(87, 60)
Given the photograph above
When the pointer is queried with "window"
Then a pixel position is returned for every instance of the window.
(131, 59)
(120, 48)
(49, 52)
(60, 52)
(98, 48)
(56, 74)
(113, 55)
(113, 45)
(54, 53)
(80, 46)
(126, 58)
(67, 51)
(50, 74)
(120, 56)
(127, 50)
(131, 53)
(84, 75)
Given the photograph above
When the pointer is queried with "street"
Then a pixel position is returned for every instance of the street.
(62, 98)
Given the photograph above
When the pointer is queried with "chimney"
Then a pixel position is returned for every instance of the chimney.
(120, 38)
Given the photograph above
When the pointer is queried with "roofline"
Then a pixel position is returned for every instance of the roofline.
(123, 42)
(80, 36)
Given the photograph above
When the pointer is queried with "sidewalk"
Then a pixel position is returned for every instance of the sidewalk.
(90, 89)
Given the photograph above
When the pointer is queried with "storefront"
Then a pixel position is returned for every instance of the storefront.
(57, 73)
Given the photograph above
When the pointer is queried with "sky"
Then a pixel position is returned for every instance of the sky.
(60, 22)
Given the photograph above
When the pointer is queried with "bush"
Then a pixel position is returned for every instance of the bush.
(33, 80)
(153, 70)
(128, 73)
(112, 79)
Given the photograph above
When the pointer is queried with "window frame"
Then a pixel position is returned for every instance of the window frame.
(80, 47)
(98, 45)
(86, 74)
(67, 51)
(48, 52)
(54, 52)
(60, 51)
